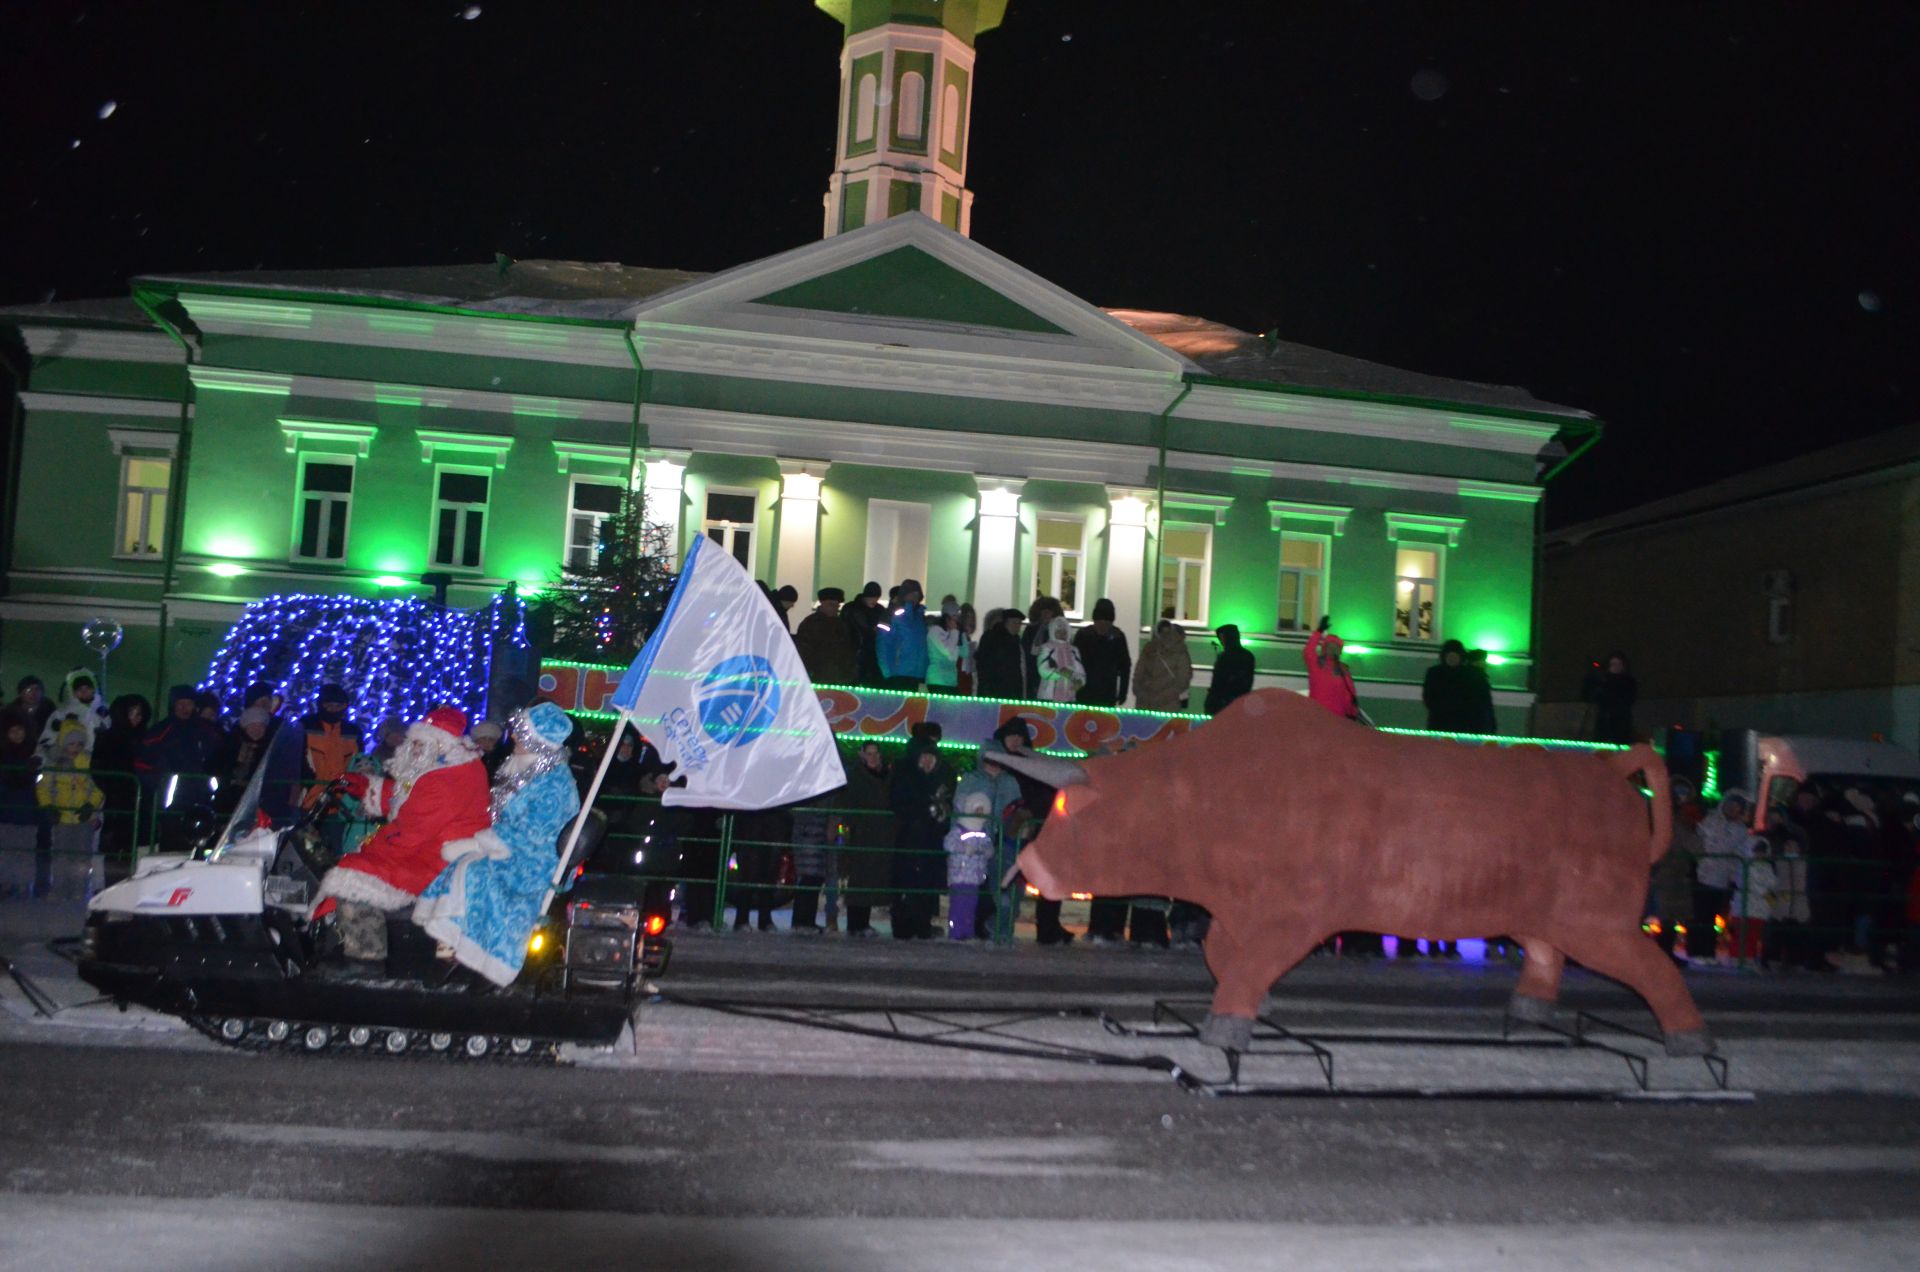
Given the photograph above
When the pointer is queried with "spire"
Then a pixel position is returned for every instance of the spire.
(906, 97)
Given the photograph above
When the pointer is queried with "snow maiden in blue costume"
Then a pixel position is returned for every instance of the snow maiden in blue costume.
(486, 901)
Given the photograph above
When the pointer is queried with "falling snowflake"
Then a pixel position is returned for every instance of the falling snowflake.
(107, 109)
(1067, 39)
(471, 12)
(75, 145)
(1429, 85)
(1870, 301)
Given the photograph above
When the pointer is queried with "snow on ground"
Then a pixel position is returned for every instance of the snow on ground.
(70, 1231)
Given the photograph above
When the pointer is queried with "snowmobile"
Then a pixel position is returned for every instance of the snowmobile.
(220, 936)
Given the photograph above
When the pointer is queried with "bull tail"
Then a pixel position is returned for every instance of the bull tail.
(1643, 759)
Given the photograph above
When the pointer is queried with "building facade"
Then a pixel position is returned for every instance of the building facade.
(893, 401)
(1807, 575)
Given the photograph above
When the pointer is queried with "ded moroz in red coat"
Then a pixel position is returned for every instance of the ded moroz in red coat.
(446, 800)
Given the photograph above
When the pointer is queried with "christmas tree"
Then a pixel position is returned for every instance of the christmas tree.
(603, 611)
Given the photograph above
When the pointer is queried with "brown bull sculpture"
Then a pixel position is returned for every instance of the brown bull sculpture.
(1290, 824)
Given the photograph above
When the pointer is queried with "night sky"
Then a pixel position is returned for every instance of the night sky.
(1696, 220)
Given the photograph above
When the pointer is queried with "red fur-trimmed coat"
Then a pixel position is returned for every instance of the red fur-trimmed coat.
(403, 856)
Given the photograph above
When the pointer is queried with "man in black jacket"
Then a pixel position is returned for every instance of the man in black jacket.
(1448, 692)
(1104, 654)
(863, 619)
(999, 664)
(1232, 670)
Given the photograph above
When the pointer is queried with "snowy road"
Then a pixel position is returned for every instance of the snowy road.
(730, 1142)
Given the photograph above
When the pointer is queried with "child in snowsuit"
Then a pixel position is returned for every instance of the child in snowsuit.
(969, 845)
(1752, 903)
(69, 796)
(1058, 663)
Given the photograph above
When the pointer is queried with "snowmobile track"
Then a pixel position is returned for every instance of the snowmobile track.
(257, 1039)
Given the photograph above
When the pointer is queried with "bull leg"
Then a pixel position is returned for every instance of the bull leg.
(1243, 972)
(1636, 962)
(1539, 985)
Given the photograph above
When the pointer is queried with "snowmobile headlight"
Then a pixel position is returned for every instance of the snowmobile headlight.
(537, 942)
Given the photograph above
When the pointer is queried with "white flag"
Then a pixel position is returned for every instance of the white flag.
(719, 689)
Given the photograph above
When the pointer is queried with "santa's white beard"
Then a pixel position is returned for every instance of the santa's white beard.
(425, 749)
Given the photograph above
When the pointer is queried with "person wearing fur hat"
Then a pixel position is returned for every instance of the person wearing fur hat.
(435, 793)
(863, 619)
(1329, 683)
(1062, 675)
(483, 905)
(828, 648)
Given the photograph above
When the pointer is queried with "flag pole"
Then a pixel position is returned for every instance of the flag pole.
(593, 791)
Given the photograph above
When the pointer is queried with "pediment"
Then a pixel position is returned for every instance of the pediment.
(907, 282)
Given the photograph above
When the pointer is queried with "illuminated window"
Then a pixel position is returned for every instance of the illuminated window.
(1059, 550)
(326, 500)
(863, 108)
(913, 106)
(143, 505)
(460, 516)
(730, 515)
(1416, 593)
(1186, 553)
(588, 506)
(897, 540)
(1303, 581)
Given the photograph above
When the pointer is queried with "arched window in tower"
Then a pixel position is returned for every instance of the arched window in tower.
(950, 119)
(913, 106)
(863, 108)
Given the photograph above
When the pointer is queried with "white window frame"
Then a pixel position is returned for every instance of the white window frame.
(1324, 574)
(327, 499)
(911, 110)
(883, 562)
(433, 526)
(866, 101)
(730, 528)
(1205, 565)
(574, 511)
(1055, 556)
(156, 549)
(1437, 583)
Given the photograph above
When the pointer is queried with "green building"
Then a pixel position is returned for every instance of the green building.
(892, 401)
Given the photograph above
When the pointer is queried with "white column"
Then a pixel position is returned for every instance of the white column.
(1129, 511)
(998, 528)
(799, 527)
(664, 493)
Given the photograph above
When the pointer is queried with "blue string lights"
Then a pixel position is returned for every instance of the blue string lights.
(396, 657)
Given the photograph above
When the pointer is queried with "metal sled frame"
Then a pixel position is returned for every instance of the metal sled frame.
(996, 1029)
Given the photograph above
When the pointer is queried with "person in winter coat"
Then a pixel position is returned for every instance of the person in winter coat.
(970, 629)
(1609, 693)
(435, 794)
(1329, 682)
(1164, 673)
(115, 750)
(237, 757)
(1751, 905)
(19, 809)
(970, 856)
(1672, 886)
(868, 835)
(901, 645)
(1040, 616)
(1232, 670)
(863, 619)
(1006, 805)
(827, 646)
(1449, 692)
(999, 663)
(1061, 674)
(30, 707)
(174, 754)
(1724, 843)
(1104, 657)
(1785, 941)
(67, 795)
(80, 703)
(332, 738)
(922, 794)
(949, 652)
(1483, 718)
(1036, 799)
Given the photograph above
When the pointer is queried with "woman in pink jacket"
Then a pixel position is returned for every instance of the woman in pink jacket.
(1329, 683)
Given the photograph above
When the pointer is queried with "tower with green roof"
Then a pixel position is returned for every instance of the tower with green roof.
(906, 95)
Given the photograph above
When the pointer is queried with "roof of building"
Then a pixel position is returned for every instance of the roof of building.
(604, 290)
(116, 311)
(1885, 453)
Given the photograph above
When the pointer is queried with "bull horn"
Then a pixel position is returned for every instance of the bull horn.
(1050, 769)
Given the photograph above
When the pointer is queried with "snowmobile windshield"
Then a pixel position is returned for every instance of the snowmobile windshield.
(285, 752)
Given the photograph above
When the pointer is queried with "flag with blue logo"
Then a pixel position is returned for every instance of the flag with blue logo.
(719, 689)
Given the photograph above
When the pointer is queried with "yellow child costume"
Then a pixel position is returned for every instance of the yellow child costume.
(68, 792)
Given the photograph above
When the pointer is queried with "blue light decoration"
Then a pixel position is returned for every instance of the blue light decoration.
(397, 657)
